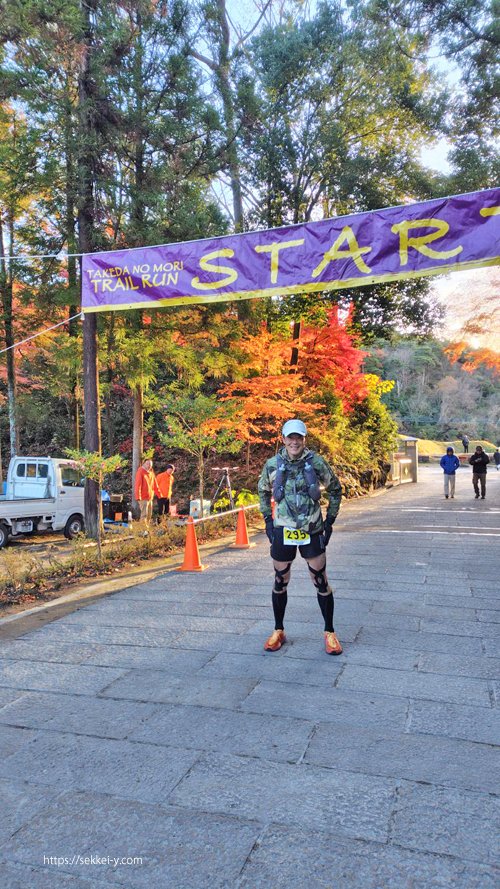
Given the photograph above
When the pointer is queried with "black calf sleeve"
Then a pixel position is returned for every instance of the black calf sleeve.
(326, 604)
(279, 608)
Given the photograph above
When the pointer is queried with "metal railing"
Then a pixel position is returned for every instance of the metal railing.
(218, 515)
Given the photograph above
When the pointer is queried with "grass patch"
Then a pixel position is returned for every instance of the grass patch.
(429, 448)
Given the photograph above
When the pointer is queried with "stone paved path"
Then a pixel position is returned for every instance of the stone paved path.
(151, 724)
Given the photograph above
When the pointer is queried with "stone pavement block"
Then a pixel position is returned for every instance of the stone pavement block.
(357, 654)
(178, 623)
(60, 630)
(139, 616)
(488, 616)
(250, 595)
(177, 850)
(176, 662)
(418, 642)
(491, 647)
(456, 665)
(450, 822)
(460, 690)
(34, 709)
(435, 597)
(7, 695)
(13, 738)
(37, 650)
(424, 609)
(470, 723)
(148, 592)
(98, 717)
(225, 731)
(265, 666)
(235, 611)
(374, 573)
(288, 858)
(215, 580)
(38, 676)
(464, 628)
(379, 592)
(349, 804)
(215, 642)
(129, 770)
(157, 685)
(376, 751)
(484, 586)
(21, 876)
(313, 703)
(385, 619)
(496, 692)
(20, 802)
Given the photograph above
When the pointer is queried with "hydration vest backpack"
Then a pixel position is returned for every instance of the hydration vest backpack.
(308, 471)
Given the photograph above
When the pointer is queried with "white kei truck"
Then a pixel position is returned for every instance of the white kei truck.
(41, 494)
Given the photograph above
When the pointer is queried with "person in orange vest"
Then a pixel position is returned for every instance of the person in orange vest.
(145, 489)
(165, 481)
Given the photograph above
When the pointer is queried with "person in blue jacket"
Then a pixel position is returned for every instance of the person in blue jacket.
(449, 464)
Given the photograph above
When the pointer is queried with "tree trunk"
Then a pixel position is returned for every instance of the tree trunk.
(137, 215)
(86, 221)
(108, 401)
(137, 438)
(294, 358)
(201, 478)
(71, 199)
(6, 297)
(226, 93)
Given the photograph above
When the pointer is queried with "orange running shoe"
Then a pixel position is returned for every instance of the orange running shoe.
(275, 641)
(332, 644)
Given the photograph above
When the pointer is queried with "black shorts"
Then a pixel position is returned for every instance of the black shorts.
(282, 553)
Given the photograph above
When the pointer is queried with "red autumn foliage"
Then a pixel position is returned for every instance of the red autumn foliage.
(330, 354)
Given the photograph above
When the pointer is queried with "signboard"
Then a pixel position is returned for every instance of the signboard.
(429, 238)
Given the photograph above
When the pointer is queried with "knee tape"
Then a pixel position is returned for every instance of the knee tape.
(319, 579)
(280, 584)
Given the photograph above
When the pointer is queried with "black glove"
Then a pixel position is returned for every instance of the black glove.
(269, 528)
(327, 529)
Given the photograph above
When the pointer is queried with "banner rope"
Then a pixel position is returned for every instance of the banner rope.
(40, 333)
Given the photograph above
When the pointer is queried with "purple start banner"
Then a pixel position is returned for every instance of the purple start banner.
(428, 238)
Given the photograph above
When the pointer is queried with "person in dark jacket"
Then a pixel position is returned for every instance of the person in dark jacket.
(496, 458)
(449, 464)
(465, 442)
(479, 461)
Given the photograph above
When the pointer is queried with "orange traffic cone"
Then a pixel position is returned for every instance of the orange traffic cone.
(191, 554)
(242, 541)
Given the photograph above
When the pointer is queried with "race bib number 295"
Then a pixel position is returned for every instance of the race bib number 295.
(295, 537)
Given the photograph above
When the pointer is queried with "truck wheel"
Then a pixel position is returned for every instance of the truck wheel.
(74, 526)
(4, 535)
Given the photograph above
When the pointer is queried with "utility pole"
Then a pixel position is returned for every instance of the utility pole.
(86, 230)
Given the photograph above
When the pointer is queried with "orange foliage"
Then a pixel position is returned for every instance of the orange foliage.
(269, 393)
(472, 359)
(272, 390)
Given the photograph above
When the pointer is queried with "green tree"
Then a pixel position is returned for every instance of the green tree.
(467, 32)
(199, 424)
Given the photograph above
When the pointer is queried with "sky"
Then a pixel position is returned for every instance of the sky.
(475, 294)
